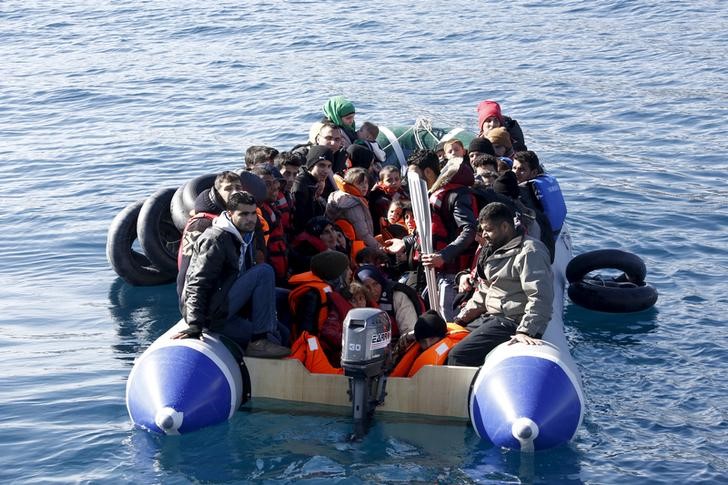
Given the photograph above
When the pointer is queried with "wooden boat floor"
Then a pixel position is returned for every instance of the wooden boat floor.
(434, 390)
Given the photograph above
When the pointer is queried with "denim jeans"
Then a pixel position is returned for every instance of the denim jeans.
(254, 290)
(448, 292)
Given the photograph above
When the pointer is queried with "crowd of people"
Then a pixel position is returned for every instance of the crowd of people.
(274, 256)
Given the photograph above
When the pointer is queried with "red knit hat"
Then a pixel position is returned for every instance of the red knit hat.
(487, 109)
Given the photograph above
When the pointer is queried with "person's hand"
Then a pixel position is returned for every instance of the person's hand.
(524, 339)
(433, 259)
(193, 331)
(394, 246)
(320, 186)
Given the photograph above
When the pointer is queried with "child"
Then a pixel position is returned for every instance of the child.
(454, 149)
(393, 226)
(395, 214)
(387, 189)
(367, 135)
(408, 216)
(359, 295)
(434, 338)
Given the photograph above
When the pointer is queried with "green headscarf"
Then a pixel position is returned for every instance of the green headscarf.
(337, 107)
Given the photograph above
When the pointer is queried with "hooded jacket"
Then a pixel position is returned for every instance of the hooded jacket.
(515, 282)
(349, 204)
(221, 253)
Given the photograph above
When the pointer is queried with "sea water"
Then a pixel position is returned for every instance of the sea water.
(103, 103)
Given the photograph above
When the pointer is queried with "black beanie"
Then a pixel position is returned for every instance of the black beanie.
(316, 225)
(254, 185)
(507, 184)
(329, 265)
(430, 324)
(360, 156)
(481, 145)
(318, 152)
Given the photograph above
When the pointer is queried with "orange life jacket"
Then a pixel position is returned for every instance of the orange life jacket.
(305, 282)
(308, 350)
(414, 358)
(405, 363)
(302, 283)
(356, 244)
(263, 224)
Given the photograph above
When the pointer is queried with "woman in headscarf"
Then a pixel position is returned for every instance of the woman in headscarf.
(340, 111)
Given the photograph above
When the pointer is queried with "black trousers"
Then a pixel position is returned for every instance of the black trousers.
(486, 333)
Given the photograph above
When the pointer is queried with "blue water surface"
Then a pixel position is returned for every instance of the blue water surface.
(102, 103)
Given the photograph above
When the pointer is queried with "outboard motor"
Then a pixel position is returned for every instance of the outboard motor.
(365, 358)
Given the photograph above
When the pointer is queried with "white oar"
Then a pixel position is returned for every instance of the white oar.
(421, 210)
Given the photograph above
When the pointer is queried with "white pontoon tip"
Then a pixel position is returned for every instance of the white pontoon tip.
(169, 420)
(525, 431)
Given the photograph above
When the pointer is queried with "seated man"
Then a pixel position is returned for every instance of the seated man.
(479, 146)
(223, 278)
(514, 297)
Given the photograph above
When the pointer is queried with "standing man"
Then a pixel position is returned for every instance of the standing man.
(453, 209)
(514, 297)
(223, 279)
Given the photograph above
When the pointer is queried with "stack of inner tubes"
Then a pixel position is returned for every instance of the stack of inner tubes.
(157, 223)
(625, 293)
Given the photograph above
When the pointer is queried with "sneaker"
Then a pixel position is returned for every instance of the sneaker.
(266, 349)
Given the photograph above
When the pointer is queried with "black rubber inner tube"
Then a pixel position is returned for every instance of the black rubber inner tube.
(615, 295)
(158, 236)
(179, 215)
(195, 187)
(132, 266)
(631, 264)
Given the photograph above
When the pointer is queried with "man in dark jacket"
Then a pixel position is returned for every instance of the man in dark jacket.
(223, 279)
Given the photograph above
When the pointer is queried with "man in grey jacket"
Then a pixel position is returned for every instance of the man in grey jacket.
(514, 297)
